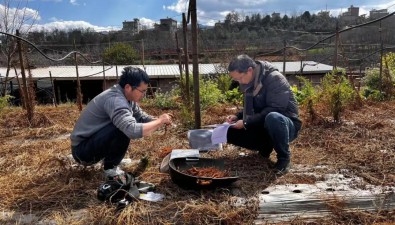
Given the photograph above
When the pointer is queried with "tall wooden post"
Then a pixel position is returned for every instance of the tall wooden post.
(79, 94)
(284, 56)
(381, 61)
(336, 45)
(53, 90)
(186, 57)
(195, 64)
(26, 97)
(142, 53)
(116, 72)
(104, 77)
(179, 58)
(20, 88)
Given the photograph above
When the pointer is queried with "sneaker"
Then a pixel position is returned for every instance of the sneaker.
(282, 166)
(115, 174)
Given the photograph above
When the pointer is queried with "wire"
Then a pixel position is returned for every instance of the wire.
(42, 53)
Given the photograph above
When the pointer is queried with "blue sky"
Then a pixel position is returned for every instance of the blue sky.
(109, 14)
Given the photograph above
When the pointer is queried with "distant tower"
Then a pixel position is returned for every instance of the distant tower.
(132, 26)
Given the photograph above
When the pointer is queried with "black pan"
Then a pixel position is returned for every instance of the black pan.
(194, 182)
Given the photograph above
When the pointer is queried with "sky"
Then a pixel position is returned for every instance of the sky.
(105, 15)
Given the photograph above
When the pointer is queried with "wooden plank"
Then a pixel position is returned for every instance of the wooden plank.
(285, 202)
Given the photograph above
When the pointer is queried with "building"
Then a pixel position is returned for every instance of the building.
(352, 11)
(168, 24)
(350, 17)
(375, 14)
(276, 15)
(94, 80)
(132, 26)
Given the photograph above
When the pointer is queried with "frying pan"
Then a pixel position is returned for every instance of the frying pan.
(186, 181)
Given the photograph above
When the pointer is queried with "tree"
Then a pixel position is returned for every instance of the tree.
(232, 18)
(266, 21)
(306, 16)
(13, 18)
(120, 54)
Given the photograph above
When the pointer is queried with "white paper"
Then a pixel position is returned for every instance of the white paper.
(152, 197)
(219, 133)
(181, 153)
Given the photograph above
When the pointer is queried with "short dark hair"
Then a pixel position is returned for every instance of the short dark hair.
(133, 76)
(241, 64)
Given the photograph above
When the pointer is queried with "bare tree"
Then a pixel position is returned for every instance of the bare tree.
(14, 15)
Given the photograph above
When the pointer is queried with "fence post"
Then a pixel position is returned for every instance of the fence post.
(381, 61)
(179, 52)
(284, 56)
(116, 72)
(195, 62)
(53, 90)
(26, 97)
(186, 57)
(79, 94)
(104, 78)
(336, 45)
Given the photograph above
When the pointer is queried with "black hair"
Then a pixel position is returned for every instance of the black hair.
(133, 76)
(241, 64)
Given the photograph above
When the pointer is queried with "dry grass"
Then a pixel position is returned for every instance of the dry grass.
(37, 177)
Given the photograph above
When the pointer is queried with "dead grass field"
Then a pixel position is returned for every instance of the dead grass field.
(38, 181)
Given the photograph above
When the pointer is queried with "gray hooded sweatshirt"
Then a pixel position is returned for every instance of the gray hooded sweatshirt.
(110, 106)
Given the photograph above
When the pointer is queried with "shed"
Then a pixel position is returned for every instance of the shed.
(95, 79)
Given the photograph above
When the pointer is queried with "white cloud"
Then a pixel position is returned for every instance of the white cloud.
(147, 23)
(70, 25)
(180, 6)
(16, 17)
(74, 2)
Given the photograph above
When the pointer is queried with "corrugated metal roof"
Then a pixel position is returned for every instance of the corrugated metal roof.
(158, 71)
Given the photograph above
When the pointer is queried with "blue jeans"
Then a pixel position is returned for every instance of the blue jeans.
(277, 131)
(108, 144)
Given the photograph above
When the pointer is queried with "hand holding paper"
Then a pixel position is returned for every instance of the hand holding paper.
(219, 133)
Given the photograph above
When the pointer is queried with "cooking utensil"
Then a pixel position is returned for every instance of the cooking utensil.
(184, 180)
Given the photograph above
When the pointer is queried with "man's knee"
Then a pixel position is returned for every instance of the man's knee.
(273, 119)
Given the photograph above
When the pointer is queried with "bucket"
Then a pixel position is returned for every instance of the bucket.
(201, 139)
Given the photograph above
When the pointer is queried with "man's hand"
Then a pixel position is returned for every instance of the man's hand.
(231, 119)
(238, 125)
(165, 118)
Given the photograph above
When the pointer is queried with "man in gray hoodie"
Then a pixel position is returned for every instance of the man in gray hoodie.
(270, 118)
(106, 125)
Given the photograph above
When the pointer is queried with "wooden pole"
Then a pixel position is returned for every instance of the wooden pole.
(186, 57)
(336, 45)
(104, 78)
(179, 57)
(20, 88)
(79, 94)
(284, 56)
(195, 62)
(26, 98)
(142, 53)
(53, 90)
(381, 61)
(116, 72)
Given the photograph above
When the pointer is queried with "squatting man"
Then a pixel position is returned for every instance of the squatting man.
(110, 120)
(269, 119)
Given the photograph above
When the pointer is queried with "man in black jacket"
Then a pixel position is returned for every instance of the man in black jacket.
(270, 118)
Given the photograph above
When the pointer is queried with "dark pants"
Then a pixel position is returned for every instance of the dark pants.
(277, 131)
(109, 144)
